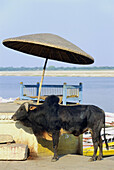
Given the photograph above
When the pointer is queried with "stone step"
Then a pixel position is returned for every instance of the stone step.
(13, 152)
(6, 138)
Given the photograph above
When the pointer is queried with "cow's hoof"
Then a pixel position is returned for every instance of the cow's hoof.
(99, 158)
(54, 159)
(92, 159)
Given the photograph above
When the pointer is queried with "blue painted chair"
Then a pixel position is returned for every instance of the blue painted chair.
(66, 93)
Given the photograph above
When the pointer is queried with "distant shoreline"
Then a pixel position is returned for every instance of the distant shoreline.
(58, 73)
(53, 68)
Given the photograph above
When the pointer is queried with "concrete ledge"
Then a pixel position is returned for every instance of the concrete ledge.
(13, 152)
(6, 138)
(21, 134)
(38, 147)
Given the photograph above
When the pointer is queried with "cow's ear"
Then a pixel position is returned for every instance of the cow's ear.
(32, 107)
(26, 106)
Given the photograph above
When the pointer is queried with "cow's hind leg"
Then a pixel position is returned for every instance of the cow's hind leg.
(95, 139)
(100, 149)
(55, 137)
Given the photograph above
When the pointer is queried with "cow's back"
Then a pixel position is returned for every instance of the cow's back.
(80, 116)
(75, 112)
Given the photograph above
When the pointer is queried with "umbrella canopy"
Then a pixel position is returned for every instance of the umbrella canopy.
(49, 46)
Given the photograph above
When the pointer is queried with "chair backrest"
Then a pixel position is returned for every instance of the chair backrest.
(69, 92)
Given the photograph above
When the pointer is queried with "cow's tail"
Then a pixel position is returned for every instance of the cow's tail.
(107, 147)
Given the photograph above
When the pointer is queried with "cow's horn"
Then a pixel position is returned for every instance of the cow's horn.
(26, 106)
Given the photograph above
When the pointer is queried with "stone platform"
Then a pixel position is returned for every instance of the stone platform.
(13, 151)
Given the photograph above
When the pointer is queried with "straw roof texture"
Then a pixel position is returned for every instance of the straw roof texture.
(49, 46)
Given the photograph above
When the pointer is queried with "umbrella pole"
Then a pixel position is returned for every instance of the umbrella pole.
(41, 81)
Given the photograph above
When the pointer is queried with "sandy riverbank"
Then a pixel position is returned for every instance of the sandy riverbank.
(81, 73)
(66, 162)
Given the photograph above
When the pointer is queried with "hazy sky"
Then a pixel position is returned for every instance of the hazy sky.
(89, 24)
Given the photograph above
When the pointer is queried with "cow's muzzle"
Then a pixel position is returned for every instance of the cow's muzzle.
(14, 118)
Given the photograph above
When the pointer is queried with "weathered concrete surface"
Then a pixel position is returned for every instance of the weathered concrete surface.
(42, 147)
(67, 162)
(20, 133)
(13, 152)
(11, 107)
(67, 144)
(6, 138)
(8, 107)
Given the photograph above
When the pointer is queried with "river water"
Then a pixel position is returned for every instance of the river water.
(96, 90)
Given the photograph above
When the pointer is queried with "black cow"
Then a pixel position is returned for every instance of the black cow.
(51, 117)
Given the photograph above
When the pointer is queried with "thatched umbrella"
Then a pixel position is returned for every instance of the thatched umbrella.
(49, 46)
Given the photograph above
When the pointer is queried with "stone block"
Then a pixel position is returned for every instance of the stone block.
(13, 152)
(6, 138)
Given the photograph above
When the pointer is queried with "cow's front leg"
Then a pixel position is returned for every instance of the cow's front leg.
(55, 137)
